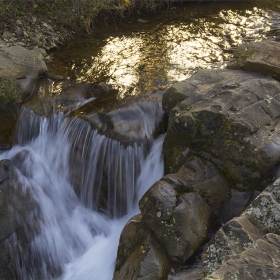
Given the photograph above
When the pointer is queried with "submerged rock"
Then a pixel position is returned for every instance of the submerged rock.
(261, 57)
(228, 117)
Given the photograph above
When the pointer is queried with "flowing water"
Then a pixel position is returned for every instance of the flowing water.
(75, 233)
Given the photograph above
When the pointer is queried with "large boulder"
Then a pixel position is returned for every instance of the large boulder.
(23, 66)
(176, 210)
(228, 117)
(19, 71)
(262, 261)
(129, 121)
(261, 217)
(178, 217)
(261, 57)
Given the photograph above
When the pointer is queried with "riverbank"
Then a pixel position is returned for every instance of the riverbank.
(50, 24)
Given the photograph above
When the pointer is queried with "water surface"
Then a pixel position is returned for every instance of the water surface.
(138, 58)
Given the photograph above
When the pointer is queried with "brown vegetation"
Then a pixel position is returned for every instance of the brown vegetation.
(77, 15)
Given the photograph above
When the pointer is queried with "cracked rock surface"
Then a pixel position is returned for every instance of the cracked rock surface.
(229, 117)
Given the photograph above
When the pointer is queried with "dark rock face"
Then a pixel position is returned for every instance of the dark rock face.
(262, 261)
(261, 217)
(261, 57)
(188, 274)
(134, 120)
(201, 176)
(140, 255)
(238, 202)
(228, 117)
(15, 205)
(10, 100)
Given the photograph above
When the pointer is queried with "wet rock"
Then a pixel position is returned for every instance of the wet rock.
(10, 100)
(261, 57)
(188, 273)
(134, 233)
(261, 217)
(70, 97)
(23, 66)
(230, 118)
(129, 121)
(262, 261)
(140, 256)
(16, 206)
(237, 204)
(200, 175)
(178, 219)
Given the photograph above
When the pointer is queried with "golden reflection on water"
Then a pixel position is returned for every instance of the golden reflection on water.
(146, 61)
(119, 58)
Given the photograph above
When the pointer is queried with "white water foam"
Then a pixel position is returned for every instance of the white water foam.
(73, 242)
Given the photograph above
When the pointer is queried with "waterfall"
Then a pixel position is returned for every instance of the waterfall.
(68, 237)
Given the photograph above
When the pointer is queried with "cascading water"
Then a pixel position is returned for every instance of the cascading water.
(68, 238)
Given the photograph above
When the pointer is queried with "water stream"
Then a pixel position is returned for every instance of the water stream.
(73, 238)
(73, 234)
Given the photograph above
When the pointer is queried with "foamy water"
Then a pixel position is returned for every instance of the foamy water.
(74, 241)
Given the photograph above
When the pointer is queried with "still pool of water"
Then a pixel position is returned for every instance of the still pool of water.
(143, 57)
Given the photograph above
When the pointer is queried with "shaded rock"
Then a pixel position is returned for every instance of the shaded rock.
(261, 57)
(134, 233)
(230, 118)
(179, 220)
(10, 100)
(262, 261)
(233, 238)
(237, 204)
(16, 205)
(70, 96)
(200, 175)
(262, 216)
(141, 254)
(127, 121)
(23, 66)
(188, 274)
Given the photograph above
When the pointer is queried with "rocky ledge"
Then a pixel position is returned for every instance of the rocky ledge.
(216, 215)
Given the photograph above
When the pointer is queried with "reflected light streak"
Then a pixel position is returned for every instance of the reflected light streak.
(119, 58)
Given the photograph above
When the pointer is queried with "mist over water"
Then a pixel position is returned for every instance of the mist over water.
(70, 238)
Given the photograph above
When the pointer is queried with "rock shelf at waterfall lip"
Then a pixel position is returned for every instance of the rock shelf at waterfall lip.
(32, 31)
